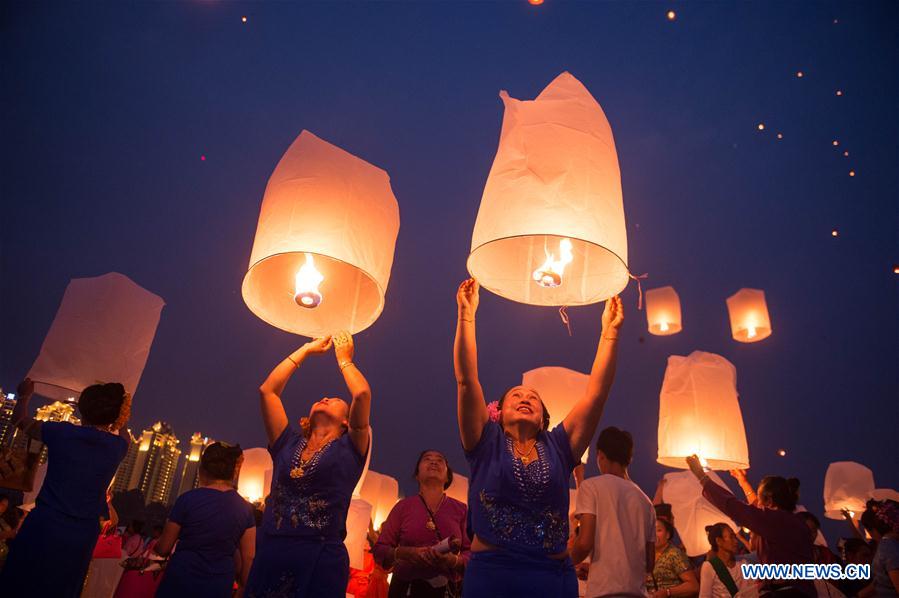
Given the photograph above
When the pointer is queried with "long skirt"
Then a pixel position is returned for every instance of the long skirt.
(505, 574)
(50, 555)
(292, 567)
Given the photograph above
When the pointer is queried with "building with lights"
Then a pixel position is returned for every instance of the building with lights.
(155, 463)
(190, 474)
(57, 411)
(122, 479)
(7, 429)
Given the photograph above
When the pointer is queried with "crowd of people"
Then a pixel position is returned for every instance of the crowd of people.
(516, 537)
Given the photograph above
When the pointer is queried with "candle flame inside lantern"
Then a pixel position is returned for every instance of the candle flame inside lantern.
(550, 273)
(307, 281)
(750, 332)
(703, 462)
(663, 326)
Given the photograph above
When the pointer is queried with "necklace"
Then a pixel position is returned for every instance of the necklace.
(300, 466)
(525, 456)
(431, 524)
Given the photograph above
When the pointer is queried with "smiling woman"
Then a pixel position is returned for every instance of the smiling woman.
(520, 469)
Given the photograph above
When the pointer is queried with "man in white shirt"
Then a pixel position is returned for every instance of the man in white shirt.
(617, 522)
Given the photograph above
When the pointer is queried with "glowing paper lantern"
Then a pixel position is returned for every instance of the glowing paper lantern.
(663, 311)
(559, 389)
(255, 480)
(357, 518)
(885, 494)
(102, 332)
(381, 492)
(324, 243)
(691, 511)
(357, 491)
(847, 485)
(699, 413)
(749, 321)
(459, 488)
(550, 229)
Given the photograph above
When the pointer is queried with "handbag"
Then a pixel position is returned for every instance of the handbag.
(18, 465)
(108, 547)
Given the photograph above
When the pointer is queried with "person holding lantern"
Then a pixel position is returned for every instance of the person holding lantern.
(424, 537)
(299, 548)
(518, 493)
(782, 536)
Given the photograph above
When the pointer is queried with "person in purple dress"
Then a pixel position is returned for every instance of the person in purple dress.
(783, 537)
(520, 470)
(424, 538)
(62, 530)
(210, 524)
(299, 548)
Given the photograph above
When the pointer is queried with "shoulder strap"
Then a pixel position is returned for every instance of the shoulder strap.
(724, 575)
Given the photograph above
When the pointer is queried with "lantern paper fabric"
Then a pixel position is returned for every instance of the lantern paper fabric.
(459, 488)
(691, 511)
(885, 494)
(381, 492)
(327, 203)
(663, 313)
(749, 321)
(559, 389)
(102, 332)
(357, 518)
(254, 482)
(357, 491)
(555, 177)
(847, 485)
(699, 413)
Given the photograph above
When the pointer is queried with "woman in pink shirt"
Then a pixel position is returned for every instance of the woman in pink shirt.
(416, 526)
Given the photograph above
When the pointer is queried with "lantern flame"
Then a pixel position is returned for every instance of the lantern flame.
(307, 281)
(703, 462)
(750, 332)
(663, 326)
(549, 275)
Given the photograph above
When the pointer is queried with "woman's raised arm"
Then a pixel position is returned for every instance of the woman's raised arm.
(273, 415)
(581, 422)
(360, 391)
(472, 410)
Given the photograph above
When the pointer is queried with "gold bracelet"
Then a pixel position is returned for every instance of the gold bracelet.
(610, 338)
(343, 366)
(295, 364)
(467, 320)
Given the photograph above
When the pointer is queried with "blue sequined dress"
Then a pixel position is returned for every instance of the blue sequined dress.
(299, 547)
(523, 511)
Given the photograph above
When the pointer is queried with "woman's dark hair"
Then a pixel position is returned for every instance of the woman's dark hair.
(669, 527)
(870, 519)
(783, 492)
(100, 404)
(617, 445)
(715, 532)
(449, 470)
(542, 404)
(663, 511)
(219, 460)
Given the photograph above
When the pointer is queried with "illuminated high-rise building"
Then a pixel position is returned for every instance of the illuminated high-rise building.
(7, 430)
(154, 467)
(190, 475)
(57, 411)
(122, 479)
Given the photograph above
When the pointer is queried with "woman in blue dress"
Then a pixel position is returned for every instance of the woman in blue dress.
(210, 523)
(52, 552)
(299, 548)
(520, 470)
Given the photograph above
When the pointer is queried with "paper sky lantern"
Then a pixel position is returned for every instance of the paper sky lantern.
(254, 482)
(663, 311)
(691, 511)
(847, 485)
(559, 389)
(749, 321)
(459, 488)
(550, 229)
(699, 413)
(885, 494)
(324, 243)
(102, 332)
(381, 492)
(357, 518)
(357, 491)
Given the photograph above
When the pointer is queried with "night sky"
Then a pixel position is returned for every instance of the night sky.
(108, 109)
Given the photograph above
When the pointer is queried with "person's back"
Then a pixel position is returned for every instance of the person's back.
(625, 523)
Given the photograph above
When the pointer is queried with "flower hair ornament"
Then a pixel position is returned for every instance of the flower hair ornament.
(493, 411)
(124, 412)
(888, 512)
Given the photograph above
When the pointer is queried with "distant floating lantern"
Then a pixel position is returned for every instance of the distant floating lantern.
(846, 153)
(851, 173)
(761, 126)
(671, 15)
(896, 269)
(663, 314)
(800, 74)
(535, 2)
(560, 389)
(243, 19)
(324, 244)
(847, 485)
(835, 143)
(780, 135)
(699, 413)
(839, 92)
(254, 482)
(550, 229)
(781, 453)
(749, 321)
(202, 158)
(834, 233)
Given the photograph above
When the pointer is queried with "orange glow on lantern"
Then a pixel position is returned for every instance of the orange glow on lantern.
(851, 173)
(749, 320)
(663, 313)
(306, 284)
(671, 15)
(800, 74)
(535, 2)
(550, 273)
(834, 233)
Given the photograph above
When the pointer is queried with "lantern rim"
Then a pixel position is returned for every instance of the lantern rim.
(554, 235)
(368, 323)
(680, 462)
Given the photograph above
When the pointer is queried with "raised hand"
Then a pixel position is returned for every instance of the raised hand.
(25, 388)
(343, 347)
(612, 316)
(467, 298)
(696, 467)
(738, 474)
(318, 345)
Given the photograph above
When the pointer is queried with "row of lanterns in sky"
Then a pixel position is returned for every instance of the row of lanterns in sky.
(749, 320)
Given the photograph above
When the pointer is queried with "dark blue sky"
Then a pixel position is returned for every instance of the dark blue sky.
(107, 108)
